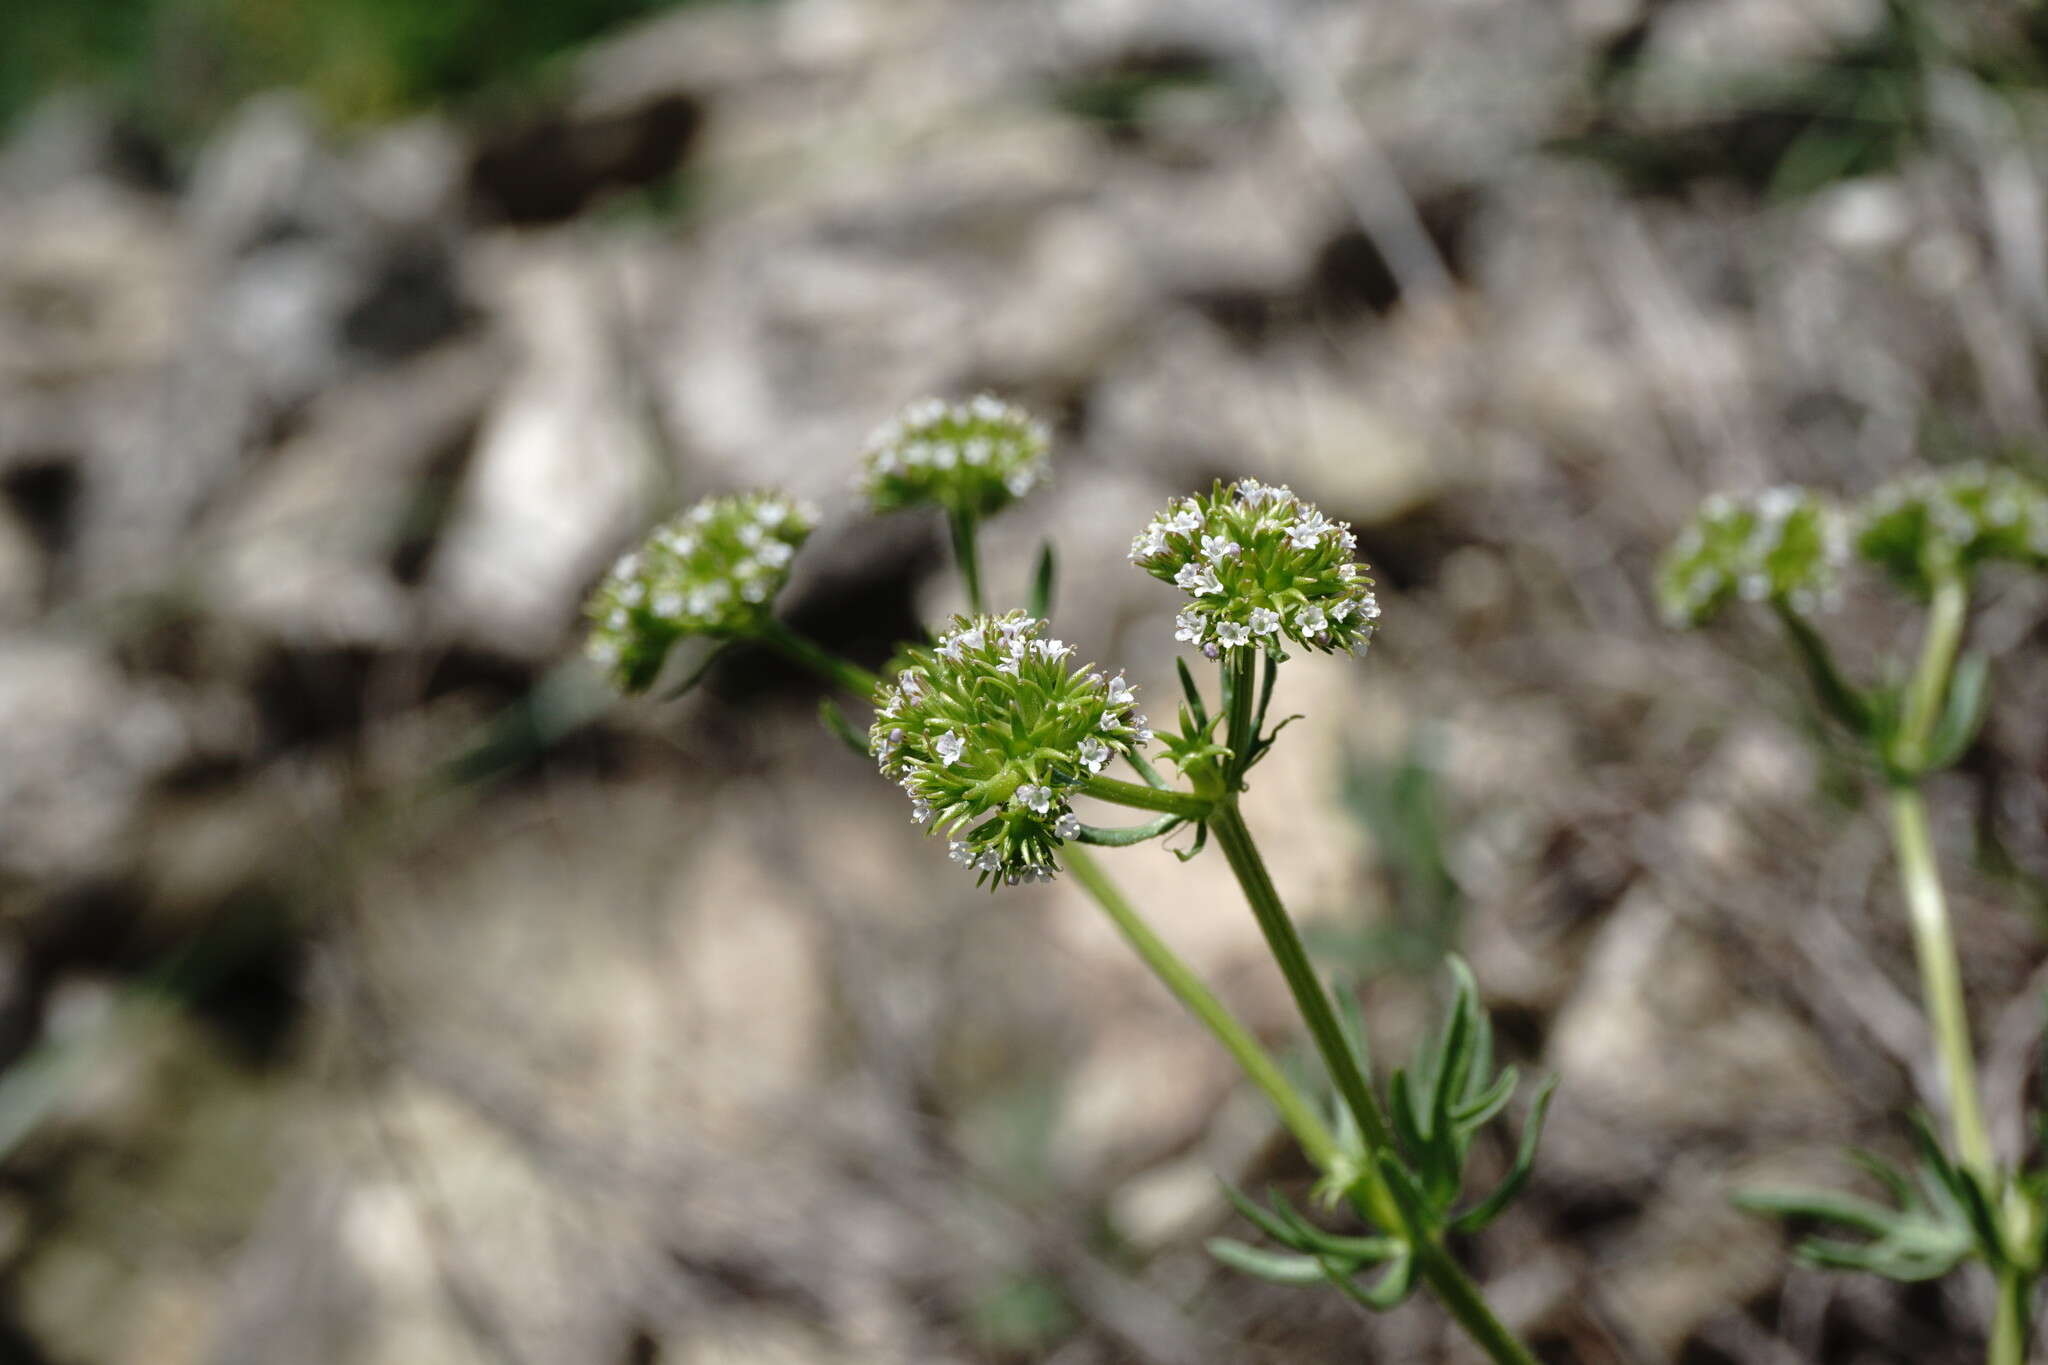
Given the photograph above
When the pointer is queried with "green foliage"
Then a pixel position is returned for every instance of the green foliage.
(1940, 1216)
(1783, 545)
(1439, 1103)
(1920, 529)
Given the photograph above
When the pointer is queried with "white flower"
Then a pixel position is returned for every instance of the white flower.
(668, 605)
(958, 851)
(775, 554)
(1094, 754)
(1230, 634)
(989, 861)
(1120, 693)
(1051, 649)
(949, 747)
(913, 690)
(920, 810)
(1186, 521)
(1309, 530)
(1198, 579)
(972, 638)
(1068, 826)
(1037, 800)
(1189, 626)
(1219, 548)
(1310, 620)
(1151, 543)
(1265, 621)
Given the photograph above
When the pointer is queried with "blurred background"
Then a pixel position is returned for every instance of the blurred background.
(374, 989)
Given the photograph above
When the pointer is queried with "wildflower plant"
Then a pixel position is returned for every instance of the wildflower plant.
(992, 731)
(1259, 566)
(1931, 535)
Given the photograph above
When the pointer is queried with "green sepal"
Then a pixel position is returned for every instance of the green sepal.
(1044, 582)
(1125, 836)
(835, 720)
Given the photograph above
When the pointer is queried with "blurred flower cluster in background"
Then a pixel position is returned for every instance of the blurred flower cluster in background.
(374, 987)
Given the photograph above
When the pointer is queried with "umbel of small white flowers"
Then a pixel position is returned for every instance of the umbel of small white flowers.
(989, 732)
(1784, 545)
(712, 571)
(972, 459)
(1260, 564)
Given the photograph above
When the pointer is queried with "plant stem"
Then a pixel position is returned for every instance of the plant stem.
(807, 654)
(1239, 667)
(1929, 683)
(1453, 1288)
(1295, 1111)
(1292, 957)
(2013, 1323)
(1187, 805)
(1941, 977)
(967, 555)
(1463, 1300)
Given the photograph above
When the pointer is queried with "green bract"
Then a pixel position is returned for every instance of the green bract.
(1949, 522)
(712, 571)
(1783, 544)
(1260, 563)
(971, 458)
(991, 730)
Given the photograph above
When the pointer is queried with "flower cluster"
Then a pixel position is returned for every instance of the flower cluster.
(712, 571)
(1955, 520)
(990, 730)
(1260, 563)
(971, 458)
(1783, 545)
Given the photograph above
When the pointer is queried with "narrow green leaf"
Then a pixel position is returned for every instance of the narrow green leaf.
(1260, 1217)
(1962, 714)
(1125, 836)
(702, 671)
(1511, 1184)
(1387, 1292)
(1201, 842)
(1193, 693)
(1275, 1267)
(1822, 1205)
(1484, 1107)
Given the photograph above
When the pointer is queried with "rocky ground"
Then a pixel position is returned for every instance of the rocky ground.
(373, 989)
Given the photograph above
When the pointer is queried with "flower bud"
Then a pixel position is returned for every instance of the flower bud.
(1260, 564)
(1782, 545)
(1954, 520)
(972, 458)
(990, 731)
(713, 571)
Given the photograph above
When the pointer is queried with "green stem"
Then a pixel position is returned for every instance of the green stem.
(1462, 1298)
(1941, 977)
(1929, 683)
(1186, 805)
(806, 654)
(1239, 667)
(1294, 1110)
(968, 556)
(2013, 1324)
(1453, 1288)
(1292, 957)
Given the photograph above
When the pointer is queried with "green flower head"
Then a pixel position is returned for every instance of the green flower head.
(1781, 545)
(713, 571)
(1952, 521)
(990, 731)
(1260, 563)
(972, 459)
